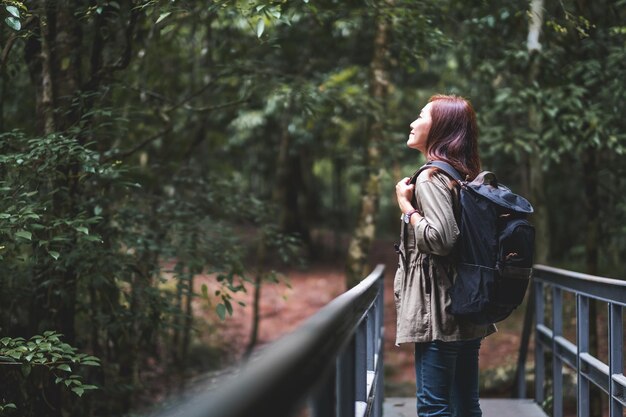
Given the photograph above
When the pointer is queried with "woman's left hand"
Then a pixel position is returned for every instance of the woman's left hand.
(404, 192)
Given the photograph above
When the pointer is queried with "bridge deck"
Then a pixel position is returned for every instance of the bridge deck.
(405, 407)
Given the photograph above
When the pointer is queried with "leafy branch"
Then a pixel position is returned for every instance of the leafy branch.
(50, 352)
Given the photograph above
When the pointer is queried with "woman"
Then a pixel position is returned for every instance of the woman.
(446, 347)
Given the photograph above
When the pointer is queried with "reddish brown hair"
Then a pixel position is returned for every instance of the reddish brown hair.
(453, 135)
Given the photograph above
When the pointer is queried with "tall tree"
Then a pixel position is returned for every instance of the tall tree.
(358, 250)
(536, 180)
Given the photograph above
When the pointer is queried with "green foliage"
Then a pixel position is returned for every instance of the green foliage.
(12, 13)
(574, 99)
(48, 351)
(28, 195)
(212, 139)
(39, 360)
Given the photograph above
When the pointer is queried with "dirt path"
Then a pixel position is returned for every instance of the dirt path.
(284, 306)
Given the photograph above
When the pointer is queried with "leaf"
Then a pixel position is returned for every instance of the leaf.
(13, 10)
(90, 363)
(10, 405)
(64, 367)
(162, 16)
(26, 368)
(24, 234)
(83, 230)
(260, 27)
(13, 23)
(78, 391)
(221, 311)
(54, 254)
(205, 291)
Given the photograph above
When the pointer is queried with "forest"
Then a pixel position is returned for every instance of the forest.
(146, 142)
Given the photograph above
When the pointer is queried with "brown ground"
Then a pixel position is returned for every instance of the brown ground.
(284, 306)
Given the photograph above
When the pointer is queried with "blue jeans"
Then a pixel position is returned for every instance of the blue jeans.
(447, 378)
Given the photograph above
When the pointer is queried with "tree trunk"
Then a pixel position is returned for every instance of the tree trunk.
(290, 186)
(46, 100)
(52, 309)
(592, 208)
(281, 189)
(540, 216)
(309, 201)
(188, 322)
(256, 303)
(292, 215)
(2, 85)
(59, 41)
(358, 250)
(129, 345)
(339, 203)
(177, 321)
(536, 177)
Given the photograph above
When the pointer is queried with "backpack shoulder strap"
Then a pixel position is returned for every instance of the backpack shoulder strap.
(444, 166)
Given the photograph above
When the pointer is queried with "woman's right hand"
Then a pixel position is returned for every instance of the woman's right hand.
(404, 193)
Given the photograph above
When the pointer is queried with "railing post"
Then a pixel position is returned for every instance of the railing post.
(378, 399)
(361, 368)
(519, 390)
(616, 359)
(379, 318)
(346, 384)
(378, 350)
(323, 400)
(371, 336)
(539, 355)
(557, 362)
(582, 341)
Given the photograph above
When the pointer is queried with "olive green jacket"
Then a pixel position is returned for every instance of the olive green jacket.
(421, 282)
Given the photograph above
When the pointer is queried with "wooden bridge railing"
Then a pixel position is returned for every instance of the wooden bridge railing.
(609, 377)
(332, 362)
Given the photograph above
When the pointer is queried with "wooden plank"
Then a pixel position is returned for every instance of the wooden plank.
(405, 407)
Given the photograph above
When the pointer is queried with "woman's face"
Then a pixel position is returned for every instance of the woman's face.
(419, 130)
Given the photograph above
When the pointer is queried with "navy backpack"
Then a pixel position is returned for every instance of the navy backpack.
(493, 255)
